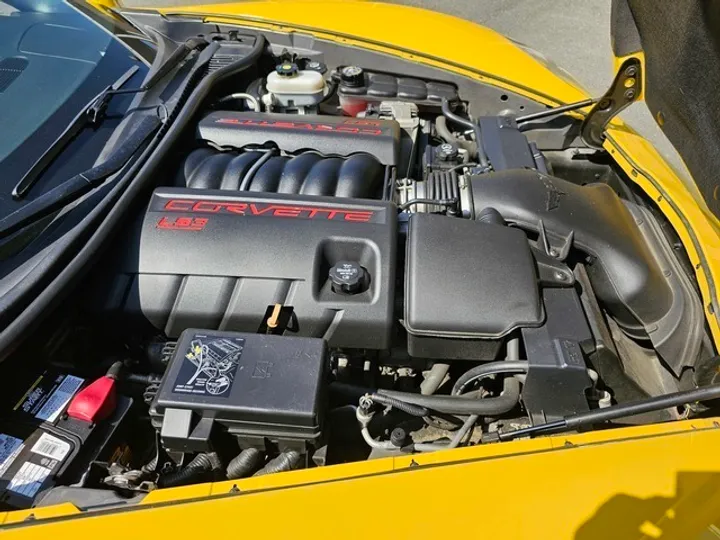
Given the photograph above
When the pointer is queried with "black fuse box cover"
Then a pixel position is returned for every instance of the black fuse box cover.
(253, 386)
(467, 285)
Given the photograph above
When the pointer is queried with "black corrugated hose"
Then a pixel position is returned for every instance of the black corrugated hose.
(284, 462)
(200, 466)
(244, 463)
(404, 406)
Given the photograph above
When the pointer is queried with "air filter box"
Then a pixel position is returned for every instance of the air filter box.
(255, 387)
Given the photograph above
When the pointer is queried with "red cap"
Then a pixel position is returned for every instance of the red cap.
(94, 402)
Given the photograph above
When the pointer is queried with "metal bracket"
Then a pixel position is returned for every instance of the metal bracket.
(625, 89)
(552, 271)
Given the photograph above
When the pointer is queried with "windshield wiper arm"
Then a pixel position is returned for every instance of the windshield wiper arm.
(94, 111)
(91, 114)
(75, 187)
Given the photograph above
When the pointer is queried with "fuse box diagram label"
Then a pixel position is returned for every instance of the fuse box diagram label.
(209, 366)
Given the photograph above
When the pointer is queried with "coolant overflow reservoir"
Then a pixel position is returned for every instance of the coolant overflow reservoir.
(292, 87)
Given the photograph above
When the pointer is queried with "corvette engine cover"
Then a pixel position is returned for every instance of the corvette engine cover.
(328, 135)
(259, 262)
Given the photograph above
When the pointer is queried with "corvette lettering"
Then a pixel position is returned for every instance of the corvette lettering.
(349, 127)
(268, 210)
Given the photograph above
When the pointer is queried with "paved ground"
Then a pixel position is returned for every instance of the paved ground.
(574, 34)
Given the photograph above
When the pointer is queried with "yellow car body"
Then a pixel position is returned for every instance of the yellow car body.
(655, 481)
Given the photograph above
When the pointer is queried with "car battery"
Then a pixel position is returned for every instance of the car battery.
(255, 387)
(41, 447)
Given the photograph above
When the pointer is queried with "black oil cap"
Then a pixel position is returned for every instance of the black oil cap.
(352, 76)
(348, 277)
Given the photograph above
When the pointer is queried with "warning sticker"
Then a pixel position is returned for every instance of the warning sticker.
(10, 447)
(51, 447)
(29, 479)
(209, 366)
(59, 398)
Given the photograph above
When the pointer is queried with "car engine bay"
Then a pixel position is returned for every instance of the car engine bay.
(343, 259)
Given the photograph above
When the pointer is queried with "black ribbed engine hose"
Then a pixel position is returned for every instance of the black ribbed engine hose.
(244, 463)
(463, 405)
(413, 410)
(201, 465)
(284, 462)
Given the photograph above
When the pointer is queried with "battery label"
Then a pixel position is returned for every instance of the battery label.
(48, 396)
(59, 398)
(209, 366)
(29, 479)
(10, 447)
(32, 466)
(51, 447)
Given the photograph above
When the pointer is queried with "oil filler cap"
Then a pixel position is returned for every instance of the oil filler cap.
(348, 277)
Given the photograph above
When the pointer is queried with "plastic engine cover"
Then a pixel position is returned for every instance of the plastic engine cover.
(222, 260)
(329, 135)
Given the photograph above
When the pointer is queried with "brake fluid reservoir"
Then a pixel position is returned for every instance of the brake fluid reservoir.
(292, 87)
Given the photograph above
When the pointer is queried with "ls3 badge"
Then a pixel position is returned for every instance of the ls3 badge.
(182, 223)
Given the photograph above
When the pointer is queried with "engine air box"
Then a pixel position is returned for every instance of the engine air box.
(467, 285)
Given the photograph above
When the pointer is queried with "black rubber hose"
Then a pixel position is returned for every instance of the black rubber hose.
(450, 203)
(199, 467)
(483, 370)
(139, 378)
(332, 89)
(115, 369)
(481, 155)
(245, 184)
(445, 134)
(244, 463)
(401, 405)
(462, 405)
(286, 461)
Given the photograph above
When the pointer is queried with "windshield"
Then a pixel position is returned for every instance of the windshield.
(46, 51)
(53, 61)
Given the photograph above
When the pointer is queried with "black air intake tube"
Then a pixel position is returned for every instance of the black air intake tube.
(631, 270)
